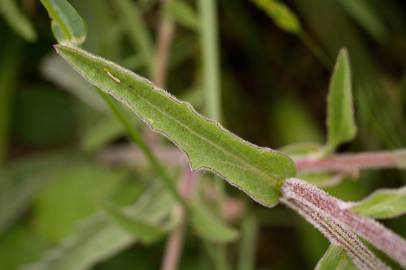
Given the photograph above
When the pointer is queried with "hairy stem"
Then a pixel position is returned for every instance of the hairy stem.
(318, 200)
(338, 234)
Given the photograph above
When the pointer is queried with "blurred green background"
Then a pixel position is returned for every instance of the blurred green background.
(61, 150)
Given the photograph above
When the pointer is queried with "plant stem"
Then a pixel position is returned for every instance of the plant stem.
(136, 30)
(211, 82)
(210, 58)
(354, 162)
(165, 35)
(305, 195)
(341, 163)
(316, 50)
(137, 138)
(248, 243)
(338, 235)
(174, 245)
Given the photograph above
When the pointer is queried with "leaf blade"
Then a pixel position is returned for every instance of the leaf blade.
(257, 171)
(67, 25)
(283, 17)
(384, 203)
(340, 116)
(335, 258)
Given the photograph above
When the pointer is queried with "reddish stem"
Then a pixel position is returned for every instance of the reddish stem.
(175, 242)
(354, 162)
(382, 238)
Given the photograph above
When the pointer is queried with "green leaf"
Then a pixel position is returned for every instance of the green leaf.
(183, 14)
(257, 171)
(67, 25)
(384, 203)
(23, 180)
(97, 238)
(340, 115)
(73, 189)
(335, 258)
(20, 245)
(145, 232)
(17, 20)
(281, 15)
(209, 227)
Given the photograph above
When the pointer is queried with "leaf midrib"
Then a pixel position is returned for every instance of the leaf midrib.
(242, 160)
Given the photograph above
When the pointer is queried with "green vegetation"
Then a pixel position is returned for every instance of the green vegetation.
(101, 168)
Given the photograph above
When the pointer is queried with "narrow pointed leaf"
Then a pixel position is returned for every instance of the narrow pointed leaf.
(340, 116)
(283, 17)
(385, 203)
(335, 258)
(67, 25)
(257, 171)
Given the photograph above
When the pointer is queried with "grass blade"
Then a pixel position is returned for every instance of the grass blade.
(257, 171)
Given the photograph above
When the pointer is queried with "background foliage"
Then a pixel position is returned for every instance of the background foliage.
(64, 179)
